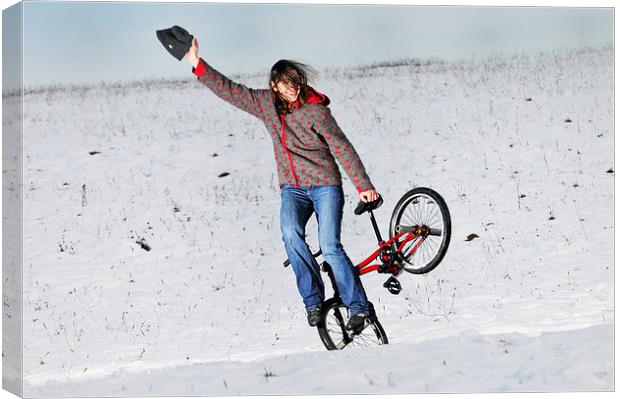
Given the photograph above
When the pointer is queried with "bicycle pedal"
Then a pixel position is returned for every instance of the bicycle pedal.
(393, 285)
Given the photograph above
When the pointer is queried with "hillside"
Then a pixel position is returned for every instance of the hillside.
(152, 245)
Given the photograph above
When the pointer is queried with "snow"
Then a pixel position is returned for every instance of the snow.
(520, 147)
(466, 363)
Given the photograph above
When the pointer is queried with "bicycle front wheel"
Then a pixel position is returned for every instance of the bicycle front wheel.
(334, 335)
(422, 210)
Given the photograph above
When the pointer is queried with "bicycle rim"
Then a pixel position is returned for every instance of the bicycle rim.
(335, 336)
(422, 207)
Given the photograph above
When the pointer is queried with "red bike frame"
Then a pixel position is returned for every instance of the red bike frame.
(365, 266)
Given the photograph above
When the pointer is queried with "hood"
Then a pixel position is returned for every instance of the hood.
(314, 97)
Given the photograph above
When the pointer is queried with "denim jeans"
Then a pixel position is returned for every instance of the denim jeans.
(298, 205)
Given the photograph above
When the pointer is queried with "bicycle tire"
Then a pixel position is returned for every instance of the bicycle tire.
(438, 221)
(334, 335)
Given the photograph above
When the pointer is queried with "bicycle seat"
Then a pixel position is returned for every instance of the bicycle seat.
(363, 207)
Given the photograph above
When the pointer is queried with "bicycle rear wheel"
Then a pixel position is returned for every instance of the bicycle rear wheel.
(334, 335)
(425, 210)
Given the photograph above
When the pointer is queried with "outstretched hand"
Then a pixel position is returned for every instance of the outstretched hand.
(369, 196)
(192, 53)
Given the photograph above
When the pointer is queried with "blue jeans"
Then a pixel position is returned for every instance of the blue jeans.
(298, 205)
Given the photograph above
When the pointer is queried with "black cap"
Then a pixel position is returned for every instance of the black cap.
(176, 40)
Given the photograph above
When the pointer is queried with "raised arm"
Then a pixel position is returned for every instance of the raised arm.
(242, 97)
(344, 152)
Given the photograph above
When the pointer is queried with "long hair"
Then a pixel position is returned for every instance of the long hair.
(294, 72)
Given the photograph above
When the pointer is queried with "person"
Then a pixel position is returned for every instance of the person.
(307, 141)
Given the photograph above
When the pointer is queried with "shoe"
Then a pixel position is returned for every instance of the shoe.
(357, 321)
(315, 315)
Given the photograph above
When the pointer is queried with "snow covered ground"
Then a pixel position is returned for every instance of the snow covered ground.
(148, 271)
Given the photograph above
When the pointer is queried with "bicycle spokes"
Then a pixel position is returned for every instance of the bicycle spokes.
(413, 241)
(366, 337)
(336, 328)
(336, 336)
(420, 227)
(342, 324)
(414, 236)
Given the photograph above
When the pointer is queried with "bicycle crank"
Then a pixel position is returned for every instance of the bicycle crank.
(393, 285)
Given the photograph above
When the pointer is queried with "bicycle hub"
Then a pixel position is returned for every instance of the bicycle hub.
(420, 231)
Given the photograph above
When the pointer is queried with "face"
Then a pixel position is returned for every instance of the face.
(287, 90)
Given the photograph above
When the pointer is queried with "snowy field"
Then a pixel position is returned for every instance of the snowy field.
(153, 258)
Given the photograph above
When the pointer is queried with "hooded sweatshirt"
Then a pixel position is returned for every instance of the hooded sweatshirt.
(306, 142)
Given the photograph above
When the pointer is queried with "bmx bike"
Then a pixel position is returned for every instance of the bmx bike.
(419, 235)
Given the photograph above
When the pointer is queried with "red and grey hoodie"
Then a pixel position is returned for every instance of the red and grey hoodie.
(306, 142)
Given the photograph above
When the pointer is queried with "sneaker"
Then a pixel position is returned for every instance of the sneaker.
(357, 321)
(315, 315)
